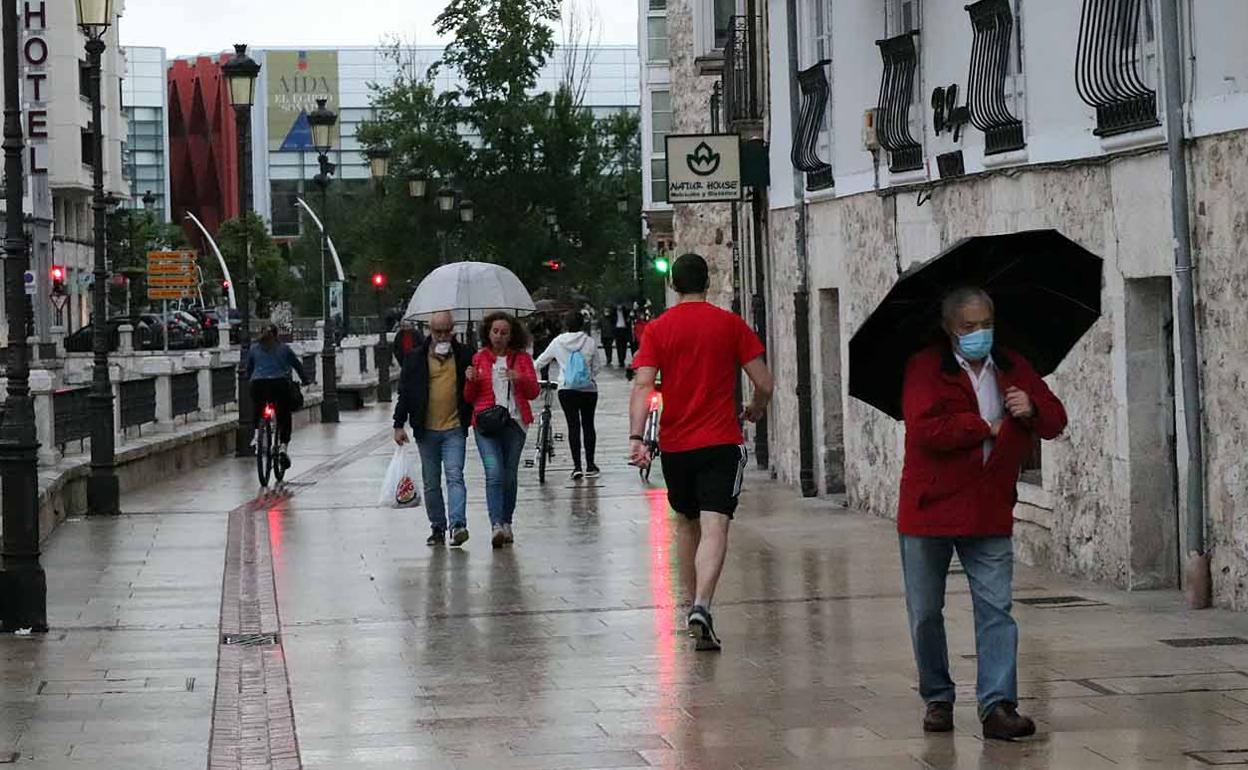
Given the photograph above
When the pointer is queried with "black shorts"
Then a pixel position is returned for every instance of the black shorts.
(707, 479)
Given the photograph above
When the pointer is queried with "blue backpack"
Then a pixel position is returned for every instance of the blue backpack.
(576, 376)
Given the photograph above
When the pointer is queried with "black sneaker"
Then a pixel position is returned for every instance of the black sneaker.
(592, 472)
(577, 474)
(459, 535)
(284, 459)
(437, 536)
(702, 629)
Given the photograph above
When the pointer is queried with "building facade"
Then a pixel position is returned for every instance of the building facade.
(291, 80)
(896, 128)
(145, 104)
(60, 157)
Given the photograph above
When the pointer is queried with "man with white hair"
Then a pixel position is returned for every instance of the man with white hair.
(431, 399)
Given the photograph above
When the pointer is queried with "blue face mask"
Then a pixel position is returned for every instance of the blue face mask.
(975, 346)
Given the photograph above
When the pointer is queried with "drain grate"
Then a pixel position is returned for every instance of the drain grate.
(1059, 602)
(1220, 757)
(1206, 641)
(249, 640)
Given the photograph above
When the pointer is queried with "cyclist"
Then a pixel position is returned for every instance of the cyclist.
(700, 350)
(269, 363)
(577, 356)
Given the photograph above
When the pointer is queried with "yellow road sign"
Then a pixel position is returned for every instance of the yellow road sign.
(171, 268)
(154, 293)
(172, 281)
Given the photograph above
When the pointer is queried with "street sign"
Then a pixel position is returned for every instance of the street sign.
(31, 286)
(171, 275)
(703, 168)
(157, 294)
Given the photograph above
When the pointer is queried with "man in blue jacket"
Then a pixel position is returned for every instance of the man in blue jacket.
(431, 399)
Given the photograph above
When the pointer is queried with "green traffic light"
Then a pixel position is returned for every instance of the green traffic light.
(661, 265)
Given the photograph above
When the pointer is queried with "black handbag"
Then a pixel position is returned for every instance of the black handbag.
(493, 420)
(296, 396)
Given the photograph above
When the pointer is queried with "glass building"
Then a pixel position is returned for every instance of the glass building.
(145, 153)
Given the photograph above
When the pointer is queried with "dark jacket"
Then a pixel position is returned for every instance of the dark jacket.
(947, 489)
(413, 401)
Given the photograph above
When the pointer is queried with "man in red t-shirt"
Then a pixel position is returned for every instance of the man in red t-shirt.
(700, 351)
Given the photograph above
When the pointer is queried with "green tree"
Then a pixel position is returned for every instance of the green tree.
(270, 273)
(530, 153)
(131, 234)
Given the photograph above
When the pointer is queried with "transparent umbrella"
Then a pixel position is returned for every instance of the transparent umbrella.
(469, 290)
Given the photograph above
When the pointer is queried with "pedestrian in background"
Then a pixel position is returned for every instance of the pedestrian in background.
(972, 411)
(577, 356)
(431, 399)
(606, 328)
(501, 375)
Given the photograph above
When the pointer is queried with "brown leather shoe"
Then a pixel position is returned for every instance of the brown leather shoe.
(939, 717)
(1005, 723)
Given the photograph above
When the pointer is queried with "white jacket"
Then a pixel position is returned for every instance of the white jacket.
(560, 350)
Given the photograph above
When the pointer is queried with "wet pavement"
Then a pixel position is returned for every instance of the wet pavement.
(566, 650)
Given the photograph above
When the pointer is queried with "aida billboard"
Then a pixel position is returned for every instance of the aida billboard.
(296, 80)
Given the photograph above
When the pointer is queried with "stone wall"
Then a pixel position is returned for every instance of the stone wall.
(704, 228)
(1219, 174)
(1090, 516)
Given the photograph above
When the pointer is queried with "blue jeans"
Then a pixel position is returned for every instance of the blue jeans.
(441, 449)
(989, 565)
(501, 457)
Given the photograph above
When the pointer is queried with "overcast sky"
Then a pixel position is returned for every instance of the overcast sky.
(193, 26)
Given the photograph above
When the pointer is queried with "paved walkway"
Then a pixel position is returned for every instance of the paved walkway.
(564, 651)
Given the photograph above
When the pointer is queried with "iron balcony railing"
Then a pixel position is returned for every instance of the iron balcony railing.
(741, 76)
(813, 83)
(993, 24)
(1107, 67)
(900, 57)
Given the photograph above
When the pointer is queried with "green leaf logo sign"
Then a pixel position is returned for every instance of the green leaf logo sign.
(703, 161)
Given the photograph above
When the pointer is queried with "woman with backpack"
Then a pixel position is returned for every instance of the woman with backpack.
(577, 355)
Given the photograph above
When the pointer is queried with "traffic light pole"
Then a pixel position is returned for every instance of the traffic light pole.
(383, 349)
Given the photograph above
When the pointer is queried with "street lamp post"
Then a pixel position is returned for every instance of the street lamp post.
(379, 169)
(241, 72)
(23, 584)
(103, 490)
(323, 121)
(446, 204)
(621, 206)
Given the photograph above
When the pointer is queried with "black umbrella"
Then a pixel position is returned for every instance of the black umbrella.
(1047, 292)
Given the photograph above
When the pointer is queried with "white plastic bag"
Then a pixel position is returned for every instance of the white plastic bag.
(400, 488)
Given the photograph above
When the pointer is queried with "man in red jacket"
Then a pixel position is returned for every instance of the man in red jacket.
(972, 410)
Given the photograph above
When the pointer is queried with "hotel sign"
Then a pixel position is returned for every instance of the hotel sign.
(296, 80)
(703, 168)
(35, 58)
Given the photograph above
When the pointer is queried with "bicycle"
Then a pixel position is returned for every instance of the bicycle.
(650, 436)
(268, 458)
(546, 437)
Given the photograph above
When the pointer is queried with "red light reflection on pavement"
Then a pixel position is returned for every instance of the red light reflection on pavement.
(662, 555)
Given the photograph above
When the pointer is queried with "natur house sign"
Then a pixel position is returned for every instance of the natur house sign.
(703, 168)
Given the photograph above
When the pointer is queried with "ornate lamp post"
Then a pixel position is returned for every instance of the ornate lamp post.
(378, 169)
(621, 207)
(103, 491)
(446, 204)
(23, 584)
(241, 73)
(323, 121)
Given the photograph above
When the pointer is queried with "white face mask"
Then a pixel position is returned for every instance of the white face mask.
(442, 349)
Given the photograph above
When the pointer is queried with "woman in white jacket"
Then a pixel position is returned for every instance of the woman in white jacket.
(577, 355)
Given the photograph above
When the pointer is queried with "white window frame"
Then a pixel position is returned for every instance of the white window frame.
(653, 14)
(814, 45)
(704, 26)
(658, 144)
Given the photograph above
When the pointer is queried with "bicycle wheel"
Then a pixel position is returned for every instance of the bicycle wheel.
(543, 448)
(264, 461)
(279, 470)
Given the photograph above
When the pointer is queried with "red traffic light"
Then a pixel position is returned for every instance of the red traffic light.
(553, 265)
(58, 273)
(379, 280)
(225, 285)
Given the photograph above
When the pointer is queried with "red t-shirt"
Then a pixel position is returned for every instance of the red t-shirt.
(699, 350)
